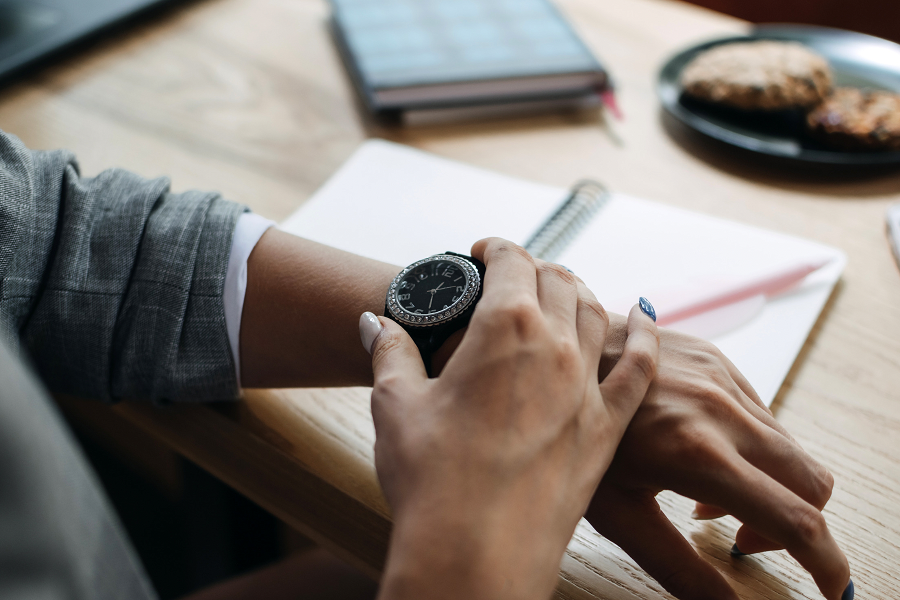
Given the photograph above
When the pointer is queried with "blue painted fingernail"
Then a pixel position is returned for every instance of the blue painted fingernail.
(647, 308)
(848, 593)
(736, 552)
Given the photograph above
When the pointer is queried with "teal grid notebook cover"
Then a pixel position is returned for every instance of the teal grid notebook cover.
(456, 52)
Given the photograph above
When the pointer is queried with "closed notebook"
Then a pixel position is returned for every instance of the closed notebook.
(427, 54)
(397, 204)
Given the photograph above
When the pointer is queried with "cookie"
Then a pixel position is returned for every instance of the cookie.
(853, 119)
(762, 75)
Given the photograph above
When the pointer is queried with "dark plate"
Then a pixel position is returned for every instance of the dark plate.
(856, 59)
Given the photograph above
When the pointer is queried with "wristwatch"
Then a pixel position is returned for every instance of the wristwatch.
(435, 297)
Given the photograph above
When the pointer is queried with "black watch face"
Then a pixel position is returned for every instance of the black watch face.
(433, 290)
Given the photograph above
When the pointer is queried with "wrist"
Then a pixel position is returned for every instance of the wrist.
(301, 309)
(431, 562)
(469, 550)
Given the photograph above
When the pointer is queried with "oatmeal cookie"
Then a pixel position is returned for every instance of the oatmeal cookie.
(762, 75)
(852, 119)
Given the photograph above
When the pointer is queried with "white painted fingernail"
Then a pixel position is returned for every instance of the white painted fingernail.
(369, 328)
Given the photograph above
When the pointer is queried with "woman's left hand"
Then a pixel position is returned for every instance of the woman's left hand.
(703, 432)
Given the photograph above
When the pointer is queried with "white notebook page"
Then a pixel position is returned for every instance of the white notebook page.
(639, 248)
(397, 204)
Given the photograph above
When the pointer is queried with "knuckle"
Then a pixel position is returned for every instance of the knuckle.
(591, 305)
(555, 270)
(642, 360)
(388, 341)
(498, 247)
(824, 483)
(713, 351)
(717, 402)
(520, 315)
(699, 450)
(385, 387)
(704, 355)
(809, 526)
(568, 354)
(706, 347)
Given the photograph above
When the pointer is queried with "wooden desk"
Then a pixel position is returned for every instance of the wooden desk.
(249, 97)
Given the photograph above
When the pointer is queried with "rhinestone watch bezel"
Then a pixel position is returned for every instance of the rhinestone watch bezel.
(473, 284)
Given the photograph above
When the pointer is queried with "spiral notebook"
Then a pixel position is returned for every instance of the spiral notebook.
(397, 204)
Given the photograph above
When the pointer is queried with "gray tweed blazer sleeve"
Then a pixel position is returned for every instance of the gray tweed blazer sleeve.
(113, 284)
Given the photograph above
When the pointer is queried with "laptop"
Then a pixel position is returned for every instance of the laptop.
(31, 30)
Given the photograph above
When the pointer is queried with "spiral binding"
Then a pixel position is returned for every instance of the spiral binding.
(584, 201)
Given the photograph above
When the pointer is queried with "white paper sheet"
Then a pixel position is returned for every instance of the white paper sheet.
(397, 204)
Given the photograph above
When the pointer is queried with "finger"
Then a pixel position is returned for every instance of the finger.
(746, 395)
(747, 541)
(756, 406)
(707, 512)
(744, 384)
(752, 403)
(786, 462)
(627, 383)
(639, 527)
(557, 294)
(510, 271)
(763, 415)
(592, 323)
(779, 515)
(396, 361)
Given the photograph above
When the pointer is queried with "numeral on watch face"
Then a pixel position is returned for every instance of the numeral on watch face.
(432, 287)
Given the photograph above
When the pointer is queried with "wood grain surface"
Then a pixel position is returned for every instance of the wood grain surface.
(249, 97)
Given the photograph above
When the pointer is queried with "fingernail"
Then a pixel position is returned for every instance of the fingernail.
(647, 308)
(567, 269)
(736, 552)
(848, 593)
(369, 328)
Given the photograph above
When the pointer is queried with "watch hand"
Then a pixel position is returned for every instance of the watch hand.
(432, 299)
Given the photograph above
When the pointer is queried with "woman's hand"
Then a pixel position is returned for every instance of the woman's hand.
(703, 432)
(489, 467)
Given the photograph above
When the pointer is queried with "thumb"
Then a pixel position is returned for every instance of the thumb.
(627, 383)
(394, 354)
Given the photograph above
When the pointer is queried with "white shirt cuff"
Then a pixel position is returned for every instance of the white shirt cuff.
(250, 227)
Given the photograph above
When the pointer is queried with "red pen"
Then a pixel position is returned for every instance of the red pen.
(767, 285)
(608, 98)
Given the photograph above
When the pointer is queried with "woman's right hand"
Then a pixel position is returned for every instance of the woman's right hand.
(703, 432)
(489, 467)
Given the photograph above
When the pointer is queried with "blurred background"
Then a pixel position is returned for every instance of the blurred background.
(875, 17)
